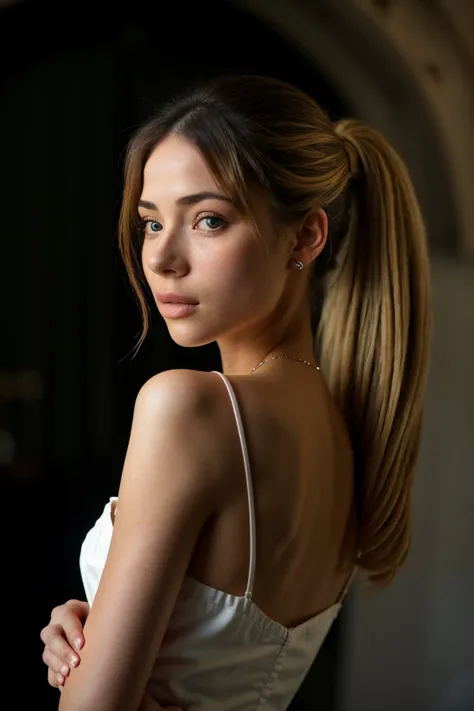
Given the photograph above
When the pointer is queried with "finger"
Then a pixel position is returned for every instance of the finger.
(54, 640)
(71, 617)
(56, 680)
(54, 663)
(79, 607)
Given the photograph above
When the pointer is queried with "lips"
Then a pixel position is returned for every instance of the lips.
(176, 310)
(175, 299)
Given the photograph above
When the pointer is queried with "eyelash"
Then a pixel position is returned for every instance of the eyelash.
(143, 222)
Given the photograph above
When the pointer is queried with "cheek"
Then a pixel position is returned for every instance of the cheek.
(242, 280)
(144, 262)
(234, 269)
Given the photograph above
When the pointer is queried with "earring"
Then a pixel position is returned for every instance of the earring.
(299, 264)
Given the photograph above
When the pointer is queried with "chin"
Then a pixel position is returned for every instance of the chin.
(187, 337)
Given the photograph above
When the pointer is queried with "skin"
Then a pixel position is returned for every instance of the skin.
(271, 312)
(253, 309)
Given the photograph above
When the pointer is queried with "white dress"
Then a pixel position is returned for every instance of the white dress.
(220, 651)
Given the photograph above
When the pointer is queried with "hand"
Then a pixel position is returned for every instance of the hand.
(59, 636)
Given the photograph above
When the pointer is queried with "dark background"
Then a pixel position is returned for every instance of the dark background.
(77, 79)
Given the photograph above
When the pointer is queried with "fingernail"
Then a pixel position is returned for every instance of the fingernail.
(65, 670)
(60, 679)
(78, 643)
(72, 660)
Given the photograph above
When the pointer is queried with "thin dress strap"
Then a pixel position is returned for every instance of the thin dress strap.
(248, 477)
(348, 585)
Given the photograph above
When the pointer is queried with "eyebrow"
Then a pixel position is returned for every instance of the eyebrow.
(188, 200)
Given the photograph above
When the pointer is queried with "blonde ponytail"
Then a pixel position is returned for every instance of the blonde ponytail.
(374, 342)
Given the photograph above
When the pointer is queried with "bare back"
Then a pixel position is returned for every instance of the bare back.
(302, 473)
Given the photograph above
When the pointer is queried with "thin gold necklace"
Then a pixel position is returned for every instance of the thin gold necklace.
(307, 362)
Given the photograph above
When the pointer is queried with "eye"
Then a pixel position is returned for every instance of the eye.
(212, 223)
(150, 227)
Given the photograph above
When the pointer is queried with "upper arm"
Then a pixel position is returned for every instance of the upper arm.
(170, 486)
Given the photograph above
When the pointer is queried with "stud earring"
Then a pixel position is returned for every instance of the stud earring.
(299, 264)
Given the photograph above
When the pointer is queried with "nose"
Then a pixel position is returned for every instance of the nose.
(165, 254)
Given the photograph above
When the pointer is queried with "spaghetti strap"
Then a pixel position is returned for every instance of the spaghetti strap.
(248, 477)
(348, 585)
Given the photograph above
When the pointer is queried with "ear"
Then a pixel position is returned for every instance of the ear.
(311, 237)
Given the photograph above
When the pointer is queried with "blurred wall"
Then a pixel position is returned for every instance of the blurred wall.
(411, 647)
(403, 66)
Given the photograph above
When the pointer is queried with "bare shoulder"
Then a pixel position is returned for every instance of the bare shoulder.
(179, 387)
(189, 405)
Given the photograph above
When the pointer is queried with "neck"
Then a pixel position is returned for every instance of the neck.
(243, 352)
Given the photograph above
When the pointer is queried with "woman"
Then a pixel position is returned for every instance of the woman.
(244, 510)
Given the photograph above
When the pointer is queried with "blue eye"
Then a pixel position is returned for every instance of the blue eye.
(212, 223)
(150, 227)
(153, 226)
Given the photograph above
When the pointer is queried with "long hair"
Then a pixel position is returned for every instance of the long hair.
(373, 337)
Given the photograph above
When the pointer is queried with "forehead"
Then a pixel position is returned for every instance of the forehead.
(176, 168)
(175, 165)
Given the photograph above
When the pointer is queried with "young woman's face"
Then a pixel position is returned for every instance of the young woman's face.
(197, 246)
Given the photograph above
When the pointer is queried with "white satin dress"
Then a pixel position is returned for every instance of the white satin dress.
(220, 651)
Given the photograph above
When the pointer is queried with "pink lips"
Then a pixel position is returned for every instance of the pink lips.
(177, 310)
(175, 305)
(172, 298)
